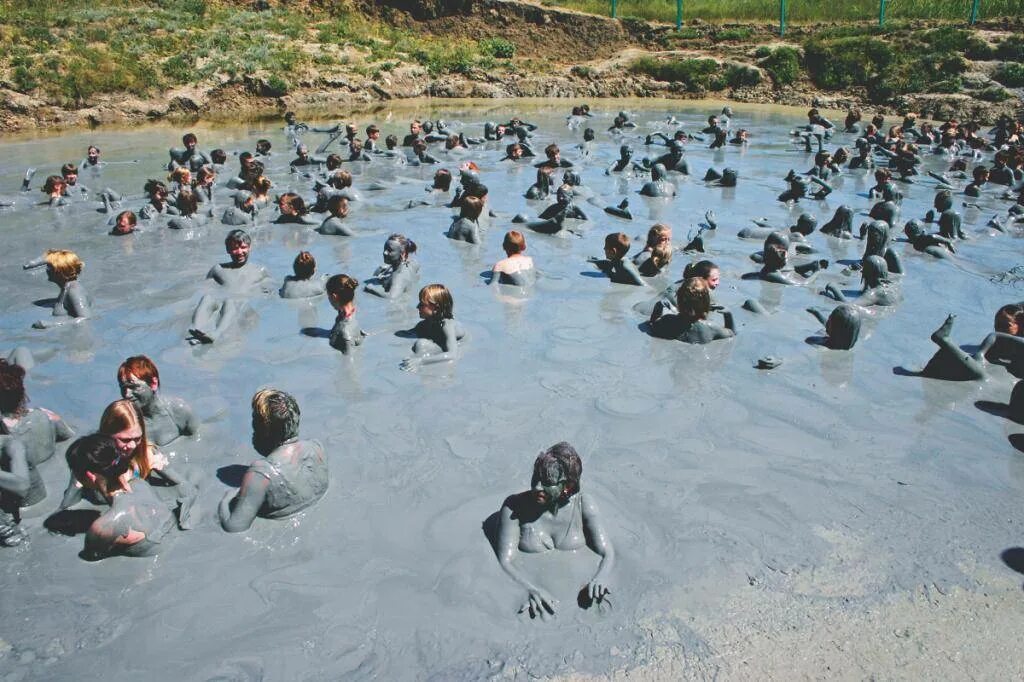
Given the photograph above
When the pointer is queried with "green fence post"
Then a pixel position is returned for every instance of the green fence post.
(974, 11)
(614, 8)
(881, 12)
(679, 14)
(782, 18)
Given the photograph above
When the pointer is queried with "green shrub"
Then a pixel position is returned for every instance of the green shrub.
(276, 86)
(742, 76)
(979, 49)
(762, 52)
(994, 94)
(949, 86)
(24, 81)
(782, 64)
(1010, 74)
(693, 74)
(498, 47)
(178, 69)
(738, 33)
(1011, 49)
(845, 62)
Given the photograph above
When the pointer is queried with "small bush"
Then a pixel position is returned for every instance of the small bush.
(583, 71)
(742, 76)
(978, 49)
(994, 94)
(1010, 74)
(693, 74)
(498, 48)
(762, 52)
(277, 86)
(734, 34)
(1011, 49)
(782, 64)
(24, 81)
(949, 86)
(178, 69)
(844, 62)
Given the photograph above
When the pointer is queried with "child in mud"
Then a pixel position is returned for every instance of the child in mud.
(398, 272)
(73, 302)
(439, 334)
(689, 324)
(302, 284)
(346, 334)
(516, 268)
(615, 264)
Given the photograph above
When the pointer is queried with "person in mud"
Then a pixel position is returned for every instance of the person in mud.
(420, 155)
(553, 514)
(624, 161)
(950, 362)
(853, 117)
(92, 159)
(166, 418)
(950, 221)
(554, 158)
(341, 293)
(799, 185)
(157, 204)
(466, 228)
(741, 137)
(615, 264)
(674, 160)
(805, 225)
(657, 253)
(981, 178)
(37, 429)
(1000, 173)
(214, 315)
(293, 474)
(877, 290)
(438, 334)
(302, 283)
(842, 326)
(20, 486)
(334, 223)
(689, 323)
(188, 212)
(73, 303)
(53, 188)
(415, 133)
(206, 178)
(125, 223)
(189, 156)
(934, 245)
(776, 258)
(542, 187)
(878, 243)
(304, 158)
(516, 268)
(243, 212)
(659, 184)
(841, 223)
(863, 159)
(399, 271)
(293, 211)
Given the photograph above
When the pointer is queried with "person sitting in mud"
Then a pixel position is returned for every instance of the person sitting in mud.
(415, 133)
(1001, 173)
(742, 137)
(214, 315)
(884, 188)
(674, 160)
(822, 166)
(876, 234)
(553, 514)
(438, 333)
(243, 212)
(689, 323)
(203, 187)
(92, 159)
(542, 187)
(53, 188)
(293, 211)
(304, 158)
(293, 475)
(805, 225)
(466, 228)
(165, 417)
(420, 155)
(863, 158)
(20, 486)
(842, 326)
(776, 258)
(554, 158)
(188, 212)
(624, 161)
(157, 203)
(799, 185)
(814, 118)
(516, 268)
(73, 303)
(124, 223)
(853, 117)
(189, 156)
(950, 222)
(934, 245)
(334, 223)
(980, 175)
(657, 252)
(399, 272)
(302, 283)
(659, 184)
(877, 286)
(615, 264)
(341, 293)
(38, 429)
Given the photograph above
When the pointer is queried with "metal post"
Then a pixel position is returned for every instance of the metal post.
(782, 18)
(974, 11)
(679, 14)
(614, 8)
(881, 12)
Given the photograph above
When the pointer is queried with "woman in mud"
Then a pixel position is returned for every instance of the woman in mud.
(292, 475)
(516, 268)
(438, 333)
(73, 303)
(466, 228)
(842, 326)
(877, 290)
(38, 429)
(689, 324)
(553, 514)
(334, 223)
(346, 334)
(399, 271)
(302, 284)
(657, 253)
(165, 417)
(293, 211)
(776, 257)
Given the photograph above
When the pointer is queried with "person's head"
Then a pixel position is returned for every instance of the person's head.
(822, 158)
(913, 229)
(658, 171)
(391, 141)
(693, 299)
(419, 147)
(291, 204)
(54, 185)
(478, 190)
(302, 151)
(13, 398)
(886, 211)
(443, 179)
(556, 474)
(219, 157)
(841, 156)
(943, 200)
(852, 116)
(304, 265)
(138, 379)
(895, 133)
(712, 120)
(337, 206)
(340, 180)
(572, 179)
(69, 172)
(187, 203)
(205, 176)
(704, 269)
(351, 130)
(275, 420)
(882, 176)
(63, 265)
(415, 128)
(659, 233)
(341, 290)
(238, 244)
(775, 257)
(155, 190)
(471, 208)
(96, 463)
(289, 117)
(878, 121)
(372, 132)
(334, 161)
(616, 245)
(436, 303)
(980, 174)
(123, 421)
(355, 147)
(874, 271)
(261, 186)
(513, 243)
(93, 153)
(552, 152)
(190, 141)
(1010, 319)
(125, 222)
(563, 195)
(181, 175)
(398, 248)
(452, 141)
(843, 327)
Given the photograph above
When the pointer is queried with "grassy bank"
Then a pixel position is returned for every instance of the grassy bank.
(767, 11)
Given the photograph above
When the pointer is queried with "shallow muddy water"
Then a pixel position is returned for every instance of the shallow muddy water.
(713, 476)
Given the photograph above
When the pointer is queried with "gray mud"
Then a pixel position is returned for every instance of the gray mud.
(719, 484)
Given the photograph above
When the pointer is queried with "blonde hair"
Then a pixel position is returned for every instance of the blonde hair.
(121, 415)
(65, 264)
(438, 296)
(694, 299)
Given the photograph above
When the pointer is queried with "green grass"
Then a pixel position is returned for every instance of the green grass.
(798, 10)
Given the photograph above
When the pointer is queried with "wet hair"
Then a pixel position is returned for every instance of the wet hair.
(205, 173)
(343, 288)
(443, 179)
(333, 161)
(702, 269)
(657, 233)
(391, 141)
(618, 243)
(237, 237)
(180, 175)
(883, 175)
(189, 138)
(514, 147)
(122, 415)
(187, 202)
(693, 299)
(355, 146)
(371, 129)
(337, 206)
(69, 169)
(878, 121)
(843, 327)
(514, 242)
(304, 265)
(452, 141)
(96, 454)
(551, 150)
(277, 413)
(154, 187)
(140, 367)
(438, 296)
(298, 204)
(822, 158)
(943, 200)
(54, 183)
(841, 156)
(1008, 316)
(408, 245)
(13, 398)
(263, 146)
(476, 189)
(559, 462)
(340, 180)
(65, 264)
(775, 256)
(261, 185)
(980, 173)
(91, 147)
(218, 156)
(472, 207)
(419, 146)
(874, 271)
(133, 220)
